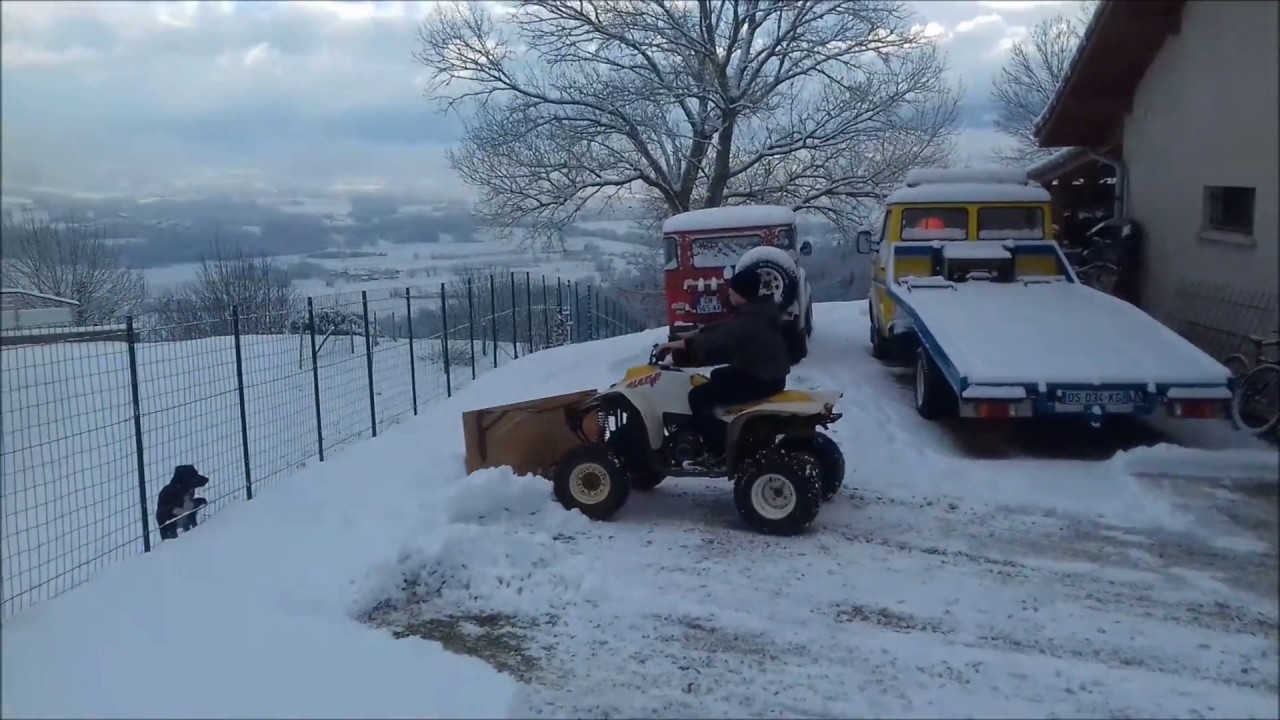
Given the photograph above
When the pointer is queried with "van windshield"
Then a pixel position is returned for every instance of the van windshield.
(721, 251)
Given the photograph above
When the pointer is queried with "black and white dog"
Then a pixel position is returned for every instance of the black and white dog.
(177, 505)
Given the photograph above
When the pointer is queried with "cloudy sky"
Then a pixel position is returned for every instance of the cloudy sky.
(112, 96)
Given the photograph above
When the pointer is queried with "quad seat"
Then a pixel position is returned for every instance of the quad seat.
(786, 396)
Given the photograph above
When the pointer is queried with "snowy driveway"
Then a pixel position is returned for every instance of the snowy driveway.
(1026, 583)
(934, 585)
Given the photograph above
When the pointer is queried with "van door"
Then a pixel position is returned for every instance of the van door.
(881, 305)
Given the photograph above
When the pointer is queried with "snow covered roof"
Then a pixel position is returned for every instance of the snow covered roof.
(1111, 59)
(41, 296)
(1085, 37)
(970, 192)
(946, 176)
(1050, 166)
(726, 218)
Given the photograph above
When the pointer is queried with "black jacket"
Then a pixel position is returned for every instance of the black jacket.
(750, 340)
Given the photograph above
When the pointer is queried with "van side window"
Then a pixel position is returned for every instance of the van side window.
(938, 223)
(669, 255)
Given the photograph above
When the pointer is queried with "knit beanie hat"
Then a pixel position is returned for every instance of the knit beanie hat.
(746, 284)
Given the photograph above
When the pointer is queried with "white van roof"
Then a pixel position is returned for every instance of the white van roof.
(728, 218)
(967, 185)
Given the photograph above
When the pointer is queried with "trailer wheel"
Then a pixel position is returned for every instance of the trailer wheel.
(590, 479)
(933, 394)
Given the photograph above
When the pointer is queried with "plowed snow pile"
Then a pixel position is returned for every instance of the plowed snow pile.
(934, 585)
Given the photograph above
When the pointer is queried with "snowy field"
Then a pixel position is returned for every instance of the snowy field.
(433, 263)
(960, 573)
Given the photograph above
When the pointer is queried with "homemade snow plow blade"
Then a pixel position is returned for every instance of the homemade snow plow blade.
(530, 437)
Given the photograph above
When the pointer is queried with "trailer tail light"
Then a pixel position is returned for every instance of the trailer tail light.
(996, 409)
(1197, 409)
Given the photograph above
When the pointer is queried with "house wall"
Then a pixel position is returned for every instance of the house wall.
(36, 317)
(1206, 114)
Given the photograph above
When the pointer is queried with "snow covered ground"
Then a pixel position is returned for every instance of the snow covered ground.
(69, 469)
(1025, 582)
(416, 264)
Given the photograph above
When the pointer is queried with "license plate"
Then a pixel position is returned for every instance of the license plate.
(709, 304)
(1098, 397)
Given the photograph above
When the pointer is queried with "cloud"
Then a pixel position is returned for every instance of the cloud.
(977, 22)
(137, 93)
(1021, 5)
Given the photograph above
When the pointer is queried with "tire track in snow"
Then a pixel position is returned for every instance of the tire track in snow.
(933, 586)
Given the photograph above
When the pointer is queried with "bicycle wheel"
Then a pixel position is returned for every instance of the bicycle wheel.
(1256, 404)
(1238, 364)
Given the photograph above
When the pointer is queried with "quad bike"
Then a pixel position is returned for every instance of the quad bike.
(781, 467)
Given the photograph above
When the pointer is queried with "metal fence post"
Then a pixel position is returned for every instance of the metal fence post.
(493, 318)
(591, 315)
(546, 318)
(444, 340)
(515, 320)
(368, 361)
(471, 329)
(574, 315)
(559, 308)
(244, 415)
(528, 310)
(137, 434)
(413, 360)
(315, 374)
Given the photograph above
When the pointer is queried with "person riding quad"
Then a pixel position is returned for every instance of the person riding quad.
(750, 347)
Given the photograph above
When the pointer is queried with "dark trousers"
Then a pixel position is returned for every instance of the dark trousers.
(728, 386)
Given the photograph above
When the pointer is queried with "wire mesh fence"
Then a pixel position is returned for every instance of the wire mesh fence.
(96, 420)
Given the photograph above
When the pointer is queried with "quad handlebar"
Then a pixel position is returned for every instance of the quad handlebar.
(658, 359)
(656, 355)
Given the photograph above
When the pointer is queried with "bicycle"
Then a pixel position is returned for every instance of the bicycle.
(1103, 258)
(1240, 364)
(1257, 393)
(1099, 276)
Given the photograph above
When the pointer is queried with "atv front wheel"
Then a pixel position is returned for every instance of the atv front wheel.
(778, 493)
(829, 456)
(590, 479)
(629, 444)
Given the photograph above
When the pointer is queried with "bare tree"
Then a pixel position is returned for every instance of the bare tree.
(76, 261)
(260, 289)
(1036, 67)
(669, 106)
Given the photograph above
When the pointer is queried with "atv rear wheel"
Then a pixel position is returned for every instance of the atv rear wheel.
(827, 453)
(589, 478)
(778, 493)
